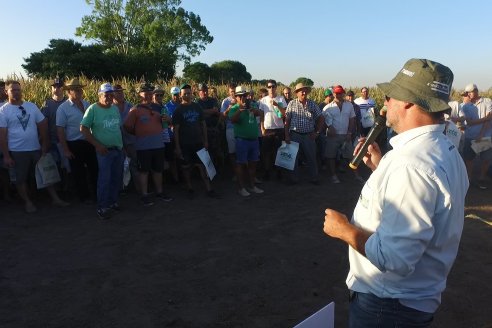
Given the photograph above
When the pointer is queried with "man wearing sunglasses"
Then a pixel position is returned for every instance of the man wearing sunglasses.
(272, 125)
(21, 125)
(406, 227)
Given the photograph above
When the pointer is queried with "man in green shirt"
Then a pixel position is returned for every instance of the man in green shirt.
(243, 117)
(101, 127)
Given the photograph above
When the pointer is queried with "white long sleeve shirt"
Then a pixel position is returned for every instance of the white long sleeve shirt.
(413, 203)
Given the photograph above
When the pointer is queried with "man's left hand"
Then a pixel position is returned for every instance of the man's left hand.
(336, 224)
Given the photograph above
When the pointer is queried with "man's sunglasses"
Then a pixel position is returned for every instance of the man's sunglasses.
(23, 111)
(271, 86)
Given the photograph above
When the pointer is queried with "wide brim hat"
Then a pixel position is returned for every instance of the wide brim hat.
(145, 87)
(421, 82)
(74, 84)
(300, 86)
(240, 90)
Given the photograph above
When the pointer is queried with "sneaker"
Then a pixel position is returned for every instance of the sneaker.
(147, 201)
(334, 179)
(213, 194)
(482, 184)
(115, 207)
(164, 197)
(104, 213)
(256, 190)
(243, 192)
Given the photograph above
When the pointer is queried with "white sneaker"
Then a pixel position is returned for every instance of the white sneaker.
(243, 192)
(334, 179)
(256, 190)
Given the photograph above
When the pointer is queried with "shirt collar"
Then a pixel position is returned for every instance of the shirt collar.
(401, 139)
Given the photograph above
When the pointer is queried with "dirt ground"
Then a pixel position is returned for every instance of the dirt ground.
(233, 262)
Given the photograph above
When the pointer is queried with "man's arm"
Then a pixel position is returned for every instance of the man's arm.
(101, 149)
(337, 226)
(7, 160)
(43, 133)
(63, 141)
(204, 135)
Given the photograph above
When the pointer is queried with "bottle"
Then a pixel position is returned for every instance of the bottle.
(251, 117)
(164, 111)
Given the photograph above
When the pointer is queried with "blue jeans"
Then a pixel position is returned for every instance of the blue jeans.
(368, 310)
(109, 178)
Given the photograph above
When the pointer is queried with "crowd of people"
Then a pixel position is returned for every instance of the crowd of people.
(92, 143)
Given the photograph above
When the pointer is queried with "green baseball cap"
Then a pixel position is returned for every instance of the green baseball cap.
(328, 92)
(422, 82)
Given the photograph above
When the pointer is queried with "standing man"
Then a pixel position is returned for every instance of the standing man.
(340, 120)
(101, 127)
(273, 107)
(21, 126)
(171, 106)
(211, 115)
(128, 139)
(227, 103)
(75, 148)
(303, 123)
(190, 133)
(287, 92)
(478, 116)
(329, 97)
(145, 122)
(405, 230)
(49, 111)
(3, 94)
(367, 110)
(243, 116)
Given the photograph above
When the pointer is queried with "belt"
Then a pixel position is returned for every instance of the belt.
(301, 133)
(247, 139)
(112, 148)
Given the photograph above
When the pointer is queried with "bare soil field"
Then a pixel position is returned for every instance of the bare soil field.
(261, 261)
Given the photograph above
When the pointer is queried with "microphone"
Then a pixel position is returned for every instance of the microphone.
(379, 125)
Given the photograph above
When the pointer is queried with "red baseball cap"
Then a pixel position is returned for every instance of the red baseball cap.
(338, 89)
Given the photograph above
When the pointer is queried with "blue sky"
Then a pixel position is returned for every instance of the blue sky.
(352, 43)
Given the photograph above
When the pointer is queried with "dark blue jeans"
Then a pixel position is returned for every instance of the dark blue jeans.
(109, 178)
(367, 310)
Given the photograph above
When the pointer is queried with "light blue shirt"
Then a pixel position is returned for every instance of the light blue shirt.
(413, 204)
(225, 103)
(68, 116)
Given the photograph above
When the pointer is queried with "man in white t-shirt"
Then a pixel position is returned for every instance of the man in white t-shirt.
(367, 110)
(340, 119)
(20, 124)
(272, 125)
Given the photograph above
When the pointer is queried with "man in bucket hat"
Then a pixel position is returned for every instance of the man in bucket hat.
(405, 230)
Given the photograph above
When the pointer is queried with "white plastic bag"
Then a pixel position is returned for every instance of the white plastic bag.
(46, 171)
(286, 155)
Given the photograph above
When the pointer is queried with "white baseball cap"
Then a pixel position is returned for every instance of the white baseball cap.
(174, 90)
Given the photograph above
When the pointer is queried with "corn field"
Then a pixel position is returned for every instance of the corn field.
(38, 90)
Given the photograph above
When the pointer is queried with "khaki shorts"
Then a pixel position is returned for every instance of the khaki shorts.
(337, 143)
(25, 162)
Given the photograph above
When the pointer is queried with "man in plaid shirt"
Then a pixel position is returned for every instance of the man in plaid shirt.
(303, 123)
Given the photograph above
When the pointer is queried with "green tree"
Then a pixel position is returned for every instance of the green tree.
(157, 27)
(68, 58)
(229, 71)
(303, 80)
(198, 72)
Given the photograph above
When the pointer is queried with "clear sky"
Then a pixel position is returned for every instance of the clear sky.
(350, 42)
